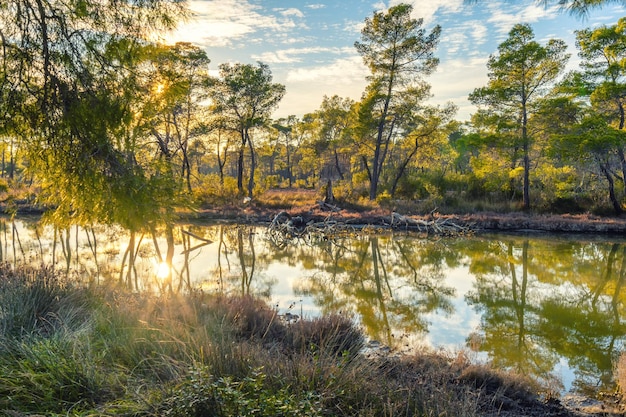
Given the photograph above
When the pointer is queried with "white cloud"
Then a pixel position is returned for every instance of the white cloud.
(464, 38)
(306, 86)
(426, 9)
(218, 23)
(290, 12)
(293, 55)
(504, 16)
(315, 6)
(341, 71)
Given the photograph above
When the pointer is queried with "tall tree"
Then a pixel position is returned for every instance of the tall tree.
(245, 95)
(398, 52)
(519, 76)
(603, 53)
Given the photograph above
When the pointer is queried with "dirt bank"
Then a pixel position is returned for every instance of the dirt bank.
(478, 222)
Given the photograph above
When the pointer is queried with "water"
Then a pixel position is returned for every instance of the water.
(552, 307)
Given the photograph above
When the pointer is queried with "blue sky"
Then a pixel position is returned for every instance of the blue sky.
(309, 45)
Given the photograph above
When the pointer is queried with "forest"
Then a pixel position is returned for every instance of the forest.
(101, 124)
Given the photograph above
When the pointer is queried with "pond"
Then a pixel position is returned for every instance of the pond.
(553, 307)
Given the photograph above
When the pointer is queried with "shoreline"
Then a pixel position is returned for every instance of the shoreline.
(484, 222)
(480, 222)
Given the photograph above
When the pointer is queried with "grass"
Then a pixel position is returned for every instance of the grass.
(66, 350)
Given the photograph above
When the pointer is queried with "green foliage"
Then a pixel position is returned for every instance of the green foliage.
(493, 176)
(203, 394)
(210, 192)
(558, 187)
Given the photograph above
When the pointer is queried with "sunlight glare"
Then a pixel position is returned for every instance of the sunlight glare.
(163, 270)
(159, 88)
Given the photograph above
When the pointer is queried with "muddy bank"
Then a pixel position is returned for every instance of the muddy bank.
(477, 222)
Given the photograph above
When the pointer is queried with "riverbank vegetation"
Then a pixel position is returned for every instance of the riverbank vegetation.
(70, 350)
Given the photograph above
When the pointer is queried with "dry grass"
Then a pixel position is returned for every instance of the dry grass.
(289, 199)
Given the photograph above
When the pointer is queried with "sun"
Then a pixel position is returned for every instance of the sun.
(159, 88)
(163, 270)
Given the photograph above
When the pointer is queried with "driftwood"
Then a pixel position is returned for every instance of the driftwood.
(433, 226)
(325, 206)
(284, 227)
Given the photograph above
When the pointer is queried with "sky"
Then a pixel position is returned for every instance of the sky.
(309, 44)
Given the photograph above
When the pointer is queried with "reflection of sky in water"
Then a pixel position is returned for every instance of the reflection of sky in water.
(283, 282)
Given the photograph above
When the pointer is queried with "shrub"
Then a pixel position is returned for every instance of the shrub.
(210, 191)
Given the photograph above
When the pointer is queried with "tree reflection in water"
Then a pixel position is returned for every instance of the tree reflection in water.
(546, 300)
(541, 302)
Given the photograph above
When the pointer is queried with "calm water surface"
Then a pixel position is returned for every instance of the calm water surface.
(552, 307)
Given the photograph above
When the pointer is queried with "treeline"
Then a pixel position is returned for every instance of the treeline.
(107, 126)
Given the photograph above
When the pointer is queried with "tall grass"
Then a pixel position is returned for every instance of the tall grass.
(66, 350)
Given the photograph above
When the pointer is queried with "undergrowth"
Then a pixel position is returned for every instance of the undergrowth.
(67, 350)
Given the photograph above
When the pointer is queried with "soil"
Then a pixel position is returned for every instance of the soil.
(477, 222)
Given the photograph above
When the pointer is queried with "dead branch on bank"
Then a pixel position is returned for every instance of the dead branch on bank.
(436, 226)
(285, 227)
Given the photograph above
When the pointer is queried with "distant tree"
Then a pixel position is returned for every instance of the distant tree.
(285, 127)
(519, 76)
(398, 52)
(245, 96)
(330, 125)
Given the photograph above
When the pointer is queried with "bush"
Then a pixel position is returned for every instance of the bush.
(210, 191)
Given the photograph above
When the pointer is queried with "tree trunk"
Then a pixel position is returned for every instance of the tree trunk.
(252, 167)
(337, 165)
(240, 169)
(525, 141)
(329, 198)
(377, 163)
(616, 205)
